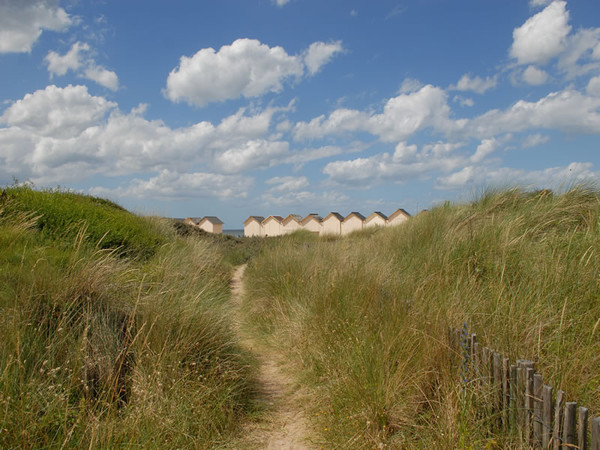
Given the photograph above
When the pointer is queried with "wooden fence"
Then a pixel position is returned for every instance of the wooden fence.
(523, 403)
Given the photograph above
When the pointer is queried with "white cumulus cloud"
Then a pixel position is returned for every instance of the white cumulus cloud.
(57, 112)
(78, 60)
(284, 184)
(22, 22)
(402, 116)
(319, 54)
(476, 84)
(542, 36)
(172, 185)
(245, 68)
(534, 76)
(553, 177)
(593, 87)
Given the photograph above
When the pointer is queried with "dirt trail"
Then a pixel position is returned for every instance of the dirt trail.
(284, 425)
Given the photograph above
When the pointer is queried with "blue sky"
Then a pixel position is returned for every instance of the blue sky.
(257, 107)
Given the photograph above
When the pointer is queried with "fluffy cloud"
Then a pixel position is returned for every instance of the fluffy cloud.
(406, 163)
(72, 60)
(57, 112)
(319, 54)
(78, 58)
(534, 140)
(402, 117)
(477, 84)
(543, 36)
(252, 154)
(22, 22)
(486, 148)
(307, 200)
(593, 87)
(284, 184)
(554, 177)
(534, 76)
(568, 111)
(171, 185)
(245, 68)
(103, 77)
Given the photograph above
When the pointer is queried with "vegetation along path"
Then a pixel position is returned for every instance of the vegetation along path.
(284, 425)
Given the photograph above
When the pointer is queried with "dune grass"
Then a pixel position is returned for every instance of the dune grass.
(115, 329)
(365, 319)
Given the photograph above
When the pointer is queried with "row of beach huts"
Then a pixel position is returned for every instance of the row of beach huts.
(334, 223)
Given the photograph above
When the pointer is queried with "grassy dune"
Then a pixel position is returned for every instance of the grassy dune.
(114, 329)
(365, 319)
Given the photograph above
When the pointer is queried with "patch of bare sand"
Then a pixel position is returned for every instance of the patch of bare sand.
(283, 424)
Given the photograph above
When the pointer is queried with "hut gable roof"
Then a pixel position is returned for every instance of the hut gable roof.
(355, 214)
(334, 215)
(291, 217)
(311, 216)
(194, 220)
(277, 218)
(258, 219)
(212, 219)
(375, 215)
(397, 213)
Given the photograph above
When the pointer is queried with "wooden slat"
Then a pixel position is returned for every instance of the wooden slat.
(582, 428)
(548, 409)
(569, 423)
(595, 444)
(558, 420)
(513, 386)
(529, 400)
(537, 409)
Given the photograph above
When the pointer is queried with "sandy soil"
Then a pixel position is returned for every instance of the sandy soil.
(283, 425)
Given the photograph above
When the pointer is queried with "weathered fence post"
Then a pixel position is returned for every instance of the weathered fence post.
(505, 392)
(537, 409)
(582, 428)
(547, 416)
(595, 434)
(558, 420)
(498, 383)
(529, 401)
(514, 383)
(569, 425)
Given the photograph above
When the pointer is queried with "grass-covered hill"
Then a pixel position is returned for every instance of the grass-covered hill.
(114, 328)
(365, 319)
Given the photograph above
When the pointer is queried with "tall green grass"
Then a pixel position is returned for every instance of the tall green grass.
(365, 320)
(102, 351)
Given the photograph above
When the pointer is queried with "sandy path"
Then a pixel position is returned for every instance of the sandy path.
(284, 425)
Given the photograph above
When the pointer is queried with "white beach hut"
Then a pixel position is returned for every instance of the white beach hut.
(332, 223)
(253, 226)
(272, 226)
(212, 224)
(291, 223)
(312, 223)
(398, 217)
(353, 222)
(376, 219)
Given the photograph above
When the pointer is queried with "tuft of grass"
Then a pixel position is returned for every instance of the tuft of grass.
(365, 319)
(105, 351)
(60, 215)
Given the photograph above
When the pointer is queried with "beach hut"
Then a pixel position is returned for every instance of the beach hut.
(376, 219)
(398, 217)
(291, 223)
(212, 224)
(312, 223)
(352, 222)
(272, 226)
(192, 221)
(332, 223)
(253, 226)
